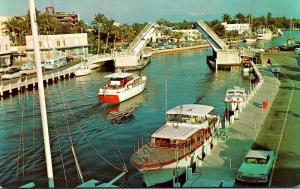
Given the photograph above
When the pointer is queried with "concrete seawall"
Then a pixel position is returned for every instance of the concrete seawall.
(221, 165)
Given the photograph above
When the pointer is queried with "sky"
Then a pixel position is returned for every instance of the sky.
(130, 11)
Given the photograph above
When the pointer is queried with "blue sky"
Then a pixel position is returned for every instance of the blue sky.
(129, 11)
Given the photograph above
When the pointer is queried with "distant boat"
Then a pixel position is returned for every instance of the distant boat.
(264, 34)
(250, 40)
(179, 143)
(12, 74)
(82, 71)
(235, 97)
(122, 86)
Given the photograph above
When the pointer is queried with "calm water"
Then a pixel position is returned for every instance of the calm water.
(75, 117)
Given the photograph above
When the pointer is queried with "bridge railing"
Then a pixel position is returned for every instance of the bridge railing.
(138, 37)
(212, 34)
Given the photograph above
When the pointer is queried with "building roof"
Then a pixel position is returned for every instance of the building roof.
(118, 75)
(191, 109)
(177, 132)
(258, 154)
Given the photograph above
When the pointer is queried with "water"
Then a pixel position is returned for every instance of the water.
(75, 117)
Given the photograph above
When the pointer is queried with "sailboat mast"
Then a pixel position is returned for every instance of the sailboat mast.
(41, 92)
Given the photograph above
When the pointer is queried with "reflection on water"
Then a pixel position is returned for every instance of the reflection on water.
(76, 117)
(124, 112)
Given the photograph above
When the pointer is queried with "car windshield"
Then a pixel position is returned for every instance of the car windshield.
(252, 160)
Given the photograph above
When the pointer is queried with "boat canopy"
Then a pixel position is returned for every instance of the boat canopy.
(118, 75)
(191, 109)
(174, 132)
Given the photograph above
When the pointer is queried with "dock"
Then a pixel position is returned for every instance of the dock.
(219, 168)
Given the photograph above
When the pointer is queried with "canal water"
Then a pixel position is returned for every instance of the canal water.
(101, 139)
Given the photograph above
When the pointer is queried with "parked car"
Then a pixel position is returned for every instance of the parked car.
(12, 74)
(55, 63)
(28, 66)
(275, 69)
(256, 167)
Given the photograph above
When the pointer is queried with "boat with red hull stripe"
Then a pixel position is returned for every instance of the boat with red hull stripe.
(121, 87)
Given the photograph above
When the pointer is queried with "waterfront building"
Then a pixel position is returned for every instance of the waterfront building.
(190, 34)
(4, 51)
(62, 45)
(70, 18)
(240, 28)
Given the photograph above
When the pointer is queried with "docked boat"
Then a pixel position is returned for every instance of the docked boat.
(265, 34)
(121, 86)
(235, 97)
(211, 62)
(11, 75)
(246, 65)
(250, 40)
(82, 71)
(185, 139)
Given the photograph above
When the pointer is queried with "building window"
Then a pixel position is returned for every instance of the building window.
(58, 43)
(64, 42)
(40, 43)
(6, 47)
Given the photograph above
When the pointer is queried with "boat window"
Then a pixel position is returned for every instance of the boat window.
(174, 118)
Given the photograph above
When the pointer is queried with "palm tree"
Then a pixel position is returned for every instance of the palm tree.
(240, 17)
(97, 24)
(177, 36)
(108, 28)
(226, 18)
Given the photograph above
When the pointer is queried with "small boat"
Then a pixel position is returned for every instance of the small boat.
(94, 66)
(235, 97)
(82, 71)
(11, 75)
(185, 139)
(265, 34)
(211, 62)
(122, 86)
(250, 40)
(246, 65)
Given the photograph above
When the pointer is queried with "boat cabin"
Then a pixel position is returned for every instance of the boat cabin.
(236, 91)
(119, 80)
(186, 125)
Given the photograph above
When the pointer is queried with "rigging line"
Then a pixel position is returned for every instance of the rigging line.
(85, 137)
(113, 148)
(20, 138)
(33, 126)
(23, 136)
(125, 167)
(66, 123)
(58, 138)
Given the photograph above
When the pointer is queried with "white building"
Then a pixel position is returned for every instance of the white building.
(63, 45)
(4, 51)
(190, 34)
(240, 28)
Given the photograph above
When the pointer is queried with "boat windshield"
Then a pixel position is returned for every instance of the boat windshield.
(179, 118)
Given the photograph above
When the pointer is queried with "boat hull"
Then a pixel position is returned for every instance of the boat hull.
(118, 97)
(166, 173)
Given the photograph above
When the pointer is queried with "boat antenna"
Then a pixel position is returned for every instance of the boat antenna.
(41, 93)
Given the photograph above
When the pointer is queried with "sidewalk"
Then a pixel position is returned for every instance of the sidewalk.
(225, 158)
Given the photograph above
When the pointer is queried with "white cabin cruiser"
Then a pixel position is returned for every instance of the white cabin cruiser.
(235, 98)
(121, 86)
(82, 71)
(184, 139)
